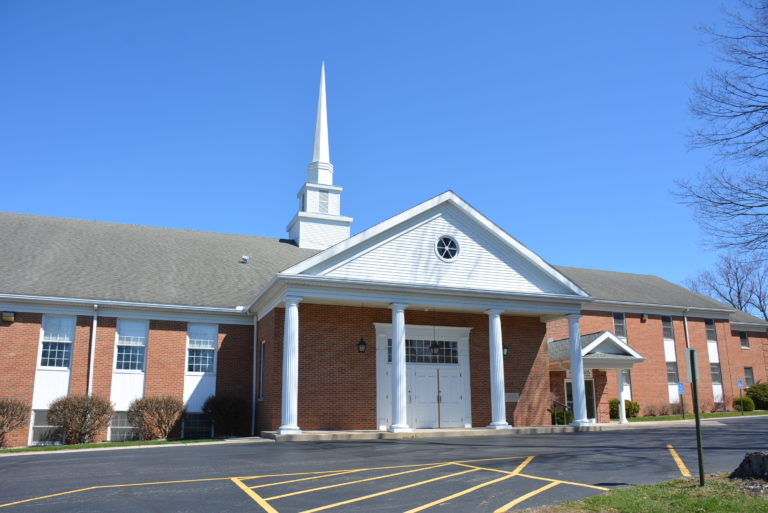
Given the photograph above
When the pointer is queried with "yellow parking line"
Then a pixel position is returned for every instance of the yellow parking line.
(385, 492)
(564, 482)
(244, 478)
(300, 492)
(477, 487)
(304, 479)
(527, 496)
(680, 465)
(110, 486)
(255, 496)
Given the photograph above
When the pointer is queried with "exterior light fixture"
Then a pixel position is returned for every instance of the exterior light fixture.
(644, 317)
(505, 350)
(361, 346)
(9, 316)
(434, 348)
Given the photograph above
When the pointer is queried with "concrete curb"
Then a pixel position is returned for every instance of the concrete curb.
(335, 436)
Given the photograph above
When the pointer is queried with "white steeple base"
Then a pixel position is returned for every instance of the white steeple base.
(318, 231)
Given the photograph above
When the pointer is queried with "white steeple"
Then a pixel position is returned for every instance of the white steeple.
(319, 224)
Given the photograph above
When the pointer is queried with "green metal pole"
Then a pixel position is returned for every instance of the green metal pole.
(694, 387)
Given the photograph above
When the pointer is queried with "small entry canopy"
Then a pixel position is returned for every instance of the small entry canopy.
(599, 350)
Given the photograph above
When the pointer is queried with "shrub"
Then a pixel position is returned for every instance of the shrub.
(561, 417)
(13, 415)
(630, 407)
(155, 417)
(79, 418)
(227, 412)
(759, 394)
(743, 404)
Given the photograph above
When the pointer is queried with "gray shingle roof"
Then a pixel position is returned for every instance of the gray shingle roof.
(744, 317)
(47, 256)
(558, 349)
(637, 288)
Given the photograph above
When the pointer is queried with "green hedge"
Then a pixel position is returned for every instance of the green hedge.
(630, 407)
(759, 394)
(743, 404)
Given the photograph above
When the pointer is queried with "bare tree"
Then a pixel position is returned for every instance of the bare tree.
(731, 208)
(739, 282)
(733, 102)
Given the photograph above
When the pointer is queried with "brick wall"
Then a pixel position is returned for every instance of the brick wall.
(234, 371)
(19, 341)
(337, 385)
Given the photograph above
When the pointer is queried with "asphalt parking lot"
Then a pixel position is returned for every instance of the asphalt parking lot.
(483, 474)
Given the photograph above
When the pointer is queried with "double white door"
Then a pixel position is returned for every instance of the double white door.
(435, 396)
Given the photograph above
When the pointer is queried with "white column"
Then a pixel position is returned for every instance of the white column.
(577, 372)
(622, 406)
(399, 386)
(290, 411)
(496, 356)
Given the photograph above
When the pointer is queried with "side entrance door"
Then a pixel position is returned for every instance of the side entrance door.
(589, 388)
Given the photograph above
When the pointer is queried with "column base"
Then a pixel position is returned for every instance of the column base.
(288, 430)
(498, 425)
(402, 428)
(581, 422)
(623, 422)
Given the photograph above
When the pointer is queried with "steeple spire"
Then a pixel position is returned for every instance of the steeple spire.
(318, 224)
(320, 152)
(320, 170)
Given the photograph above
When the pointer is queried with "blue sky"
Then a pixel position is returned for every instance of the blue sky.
(564, 122)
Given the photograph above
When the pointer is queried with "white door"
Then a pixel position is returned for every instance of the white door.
(451, 397)
(422, 396)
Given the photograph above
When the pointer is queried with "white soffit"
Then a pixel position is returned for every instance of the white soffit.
(402, 250)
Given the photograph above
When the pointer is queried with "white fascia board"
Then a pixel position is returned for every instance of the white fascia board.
(602, 305)
(348, 290)
(123, 309)
(464, 207)
(749, 326)
(616, 341)
(608, 364)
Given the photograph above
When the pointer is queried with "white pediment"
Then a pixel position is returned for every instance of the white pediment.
(608, 344)
(402, 250)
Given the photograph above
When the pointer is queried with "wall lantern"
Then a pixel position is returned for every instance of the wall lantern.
(434, 348)
(9, 316)
(505, 350)
(644, 318)
(361, 346)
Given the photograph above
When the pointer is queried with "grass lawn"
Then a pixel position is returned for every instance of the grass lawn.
(719, 495)
(106, 445)
(703, 416)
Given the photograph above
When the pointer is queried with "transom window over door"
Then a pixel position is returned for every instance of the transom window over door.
(420, 351)
(131, 345)
(58, 334)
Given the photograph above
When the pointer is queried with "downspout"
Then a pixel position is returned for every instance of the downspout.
(92, 359)
(254, 377)
(685, 323)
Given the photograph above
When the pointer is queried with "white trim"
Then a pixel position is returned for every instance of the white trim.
(749, 327)
(86, 310)
(463, 299)
(187, 372)
(603, 305)
(616, 340)
(466, 209)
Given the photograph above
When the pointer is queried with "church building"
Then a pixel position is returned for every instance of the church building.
(434, 318)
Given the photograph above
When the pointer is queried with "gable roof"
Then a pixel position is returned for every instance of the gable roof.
(394, 225)
(70, 258)
(638, 288)
(621, 355)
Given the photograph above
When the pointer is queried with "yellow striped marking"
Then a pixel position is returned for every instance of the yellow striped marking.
(303, 479)
(558, 481)
(506, 507)
(385, 492)
(477, 487)
(245, 478)
(680, 465)
(354, 482)
(255, 496)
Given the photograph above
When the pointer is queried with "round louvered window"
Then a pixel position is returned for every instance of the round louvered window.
(447, 248)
